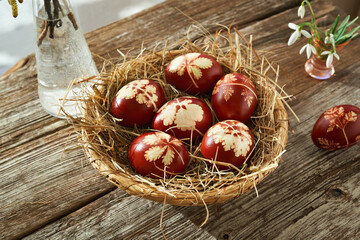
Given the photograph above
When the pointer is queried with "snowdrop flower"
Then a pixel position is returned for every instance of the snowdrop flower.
(309, 49)
(330, 39)
(330, 57)
(297, 34)
(301, 11)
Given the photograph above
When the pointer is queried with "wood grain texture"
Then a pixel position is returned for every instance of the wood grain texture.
(171, 20)
(44, 173)
(120, 216)
(313, 194)
(33, 141)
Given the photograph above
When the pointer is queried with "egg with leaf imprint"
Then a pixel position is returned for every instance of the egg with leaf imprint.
(185, 118)
(227, 143)
(234, 97)
(136, 102)
(337, 128)
(193, 72)
(158, 155)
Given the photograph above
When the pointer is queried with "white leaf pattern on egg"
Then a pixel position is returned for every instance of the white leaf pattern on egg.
(328, 144)
(228, 92)
(178, 65)
(350, 117)
(227, 89)
(156, 138)
(185, 117)
(168, 157)
(192, 63)
(338, 118)
(239, 140)
(144, 93)
(164, 149)
(168, 114)
(151, 139)
(248, 97)
(230, 78)
(196, 72)
(203, 63)
(154, 153)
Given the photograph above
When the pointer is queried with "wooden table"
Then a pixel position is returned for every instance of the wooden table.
(50, 191)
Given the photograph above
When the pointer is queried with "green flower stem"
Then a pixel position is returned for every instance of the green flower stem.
(314, 26)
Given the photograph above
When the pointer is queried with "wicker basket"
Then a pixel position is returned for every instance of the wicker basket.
(125, 178)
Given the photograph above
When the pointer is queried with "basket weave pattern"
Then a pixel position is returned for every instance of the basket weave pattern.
(108, 152)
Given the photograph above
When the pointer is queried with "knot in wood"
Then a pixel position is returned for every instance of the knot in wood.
(337, 193)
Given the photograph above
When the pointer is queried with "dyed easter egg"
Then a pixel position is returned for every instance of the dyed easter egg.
(157, 154)
(185, 118)
(136, 102)
(337, 128)
(193, 72)
(229, 141)
(234, 97)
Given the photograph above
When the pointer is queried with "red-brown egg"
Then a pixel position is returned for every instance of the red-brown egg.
(185, 118)
(234, 97)
(193, 72)
(136, 102)
(157, 154)
(229, 141)
(337, 128)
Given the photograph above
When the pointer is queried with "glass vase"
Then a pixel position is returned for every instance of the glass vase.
(62, 56)
(315, 66)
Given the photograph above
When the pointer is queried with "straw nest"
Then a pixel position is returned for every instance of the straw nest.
(106, 142)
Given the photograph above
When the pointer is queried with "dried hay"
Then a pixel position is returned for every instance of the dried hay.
(106, 142)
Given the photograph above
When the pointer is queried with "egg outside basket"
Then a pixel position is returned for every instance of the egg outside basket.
(106, 142)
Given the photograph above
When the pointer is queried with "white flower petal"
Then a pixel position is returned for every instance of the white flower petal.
(302, 49)
(294, 36)
(325, 53)
(337, 56)
(301, 11)
(305, 33)
(293, 26)
(326, 40)
(329, 60)
(308, 50)
(330, 39)
(313, 49)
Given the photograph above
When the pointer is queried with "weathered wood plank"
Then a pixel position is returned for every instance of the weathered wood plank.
(44, 173)
(312, 189)
(305, 183)
(312, 195)
(120, 216)
(37, 187)
(168, 22)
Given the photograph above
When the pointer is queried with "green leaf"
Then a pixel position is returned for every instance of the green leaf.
(354, 36)
(353, 31)
(342, 40)
(350, 23)
(333, 28)
(340, 31)
(348, 36)
(344, 22)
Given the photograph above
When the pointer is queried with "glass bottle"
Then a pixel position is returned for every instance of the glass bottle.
(62, 56)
